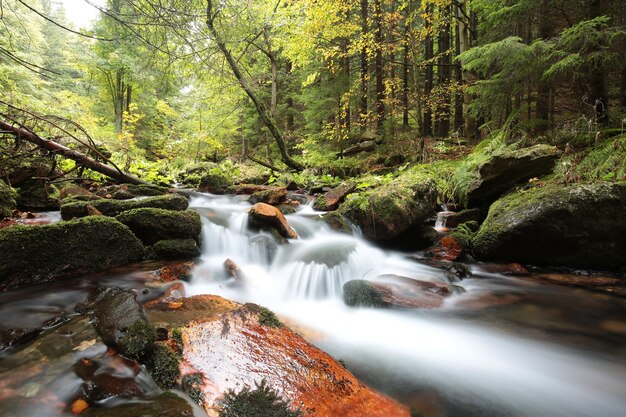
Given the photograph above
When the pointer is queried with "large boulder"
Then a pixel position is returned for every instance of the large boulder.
(174, 249)
(214, 183)
(331, 200)
(272, 195)
(7, 200)
(154, 224)
(250, 344)
(395, 291)
(38, 195)
(507, 168)
(265, 216)
(36, 254)
(128, 191)
(110, 207)
(581, 225)
(387, 212)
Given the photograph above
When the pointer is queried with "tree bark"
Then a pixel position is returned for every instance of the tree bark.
(444, 72)
(380, 87)
(364, 68)
(263, 113)
(427, 125)
(84, 160)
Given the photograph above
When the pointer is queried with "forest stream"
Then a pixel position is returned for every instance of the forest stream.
(499, 346)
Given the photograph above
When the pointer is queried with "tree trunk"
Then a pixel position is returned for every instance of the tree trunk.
(596, 78)
(427, 125)
(444, 72)
(405, 81)
(380, 87)
(265, 117)
(81, 159)
(364, 68)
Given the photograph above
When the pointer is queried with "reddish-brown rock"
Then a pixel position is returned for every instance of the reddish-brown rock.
(272, 195)
(179, 271)
(447, 249)
(263, 215)
(331, 200)
(230, 347)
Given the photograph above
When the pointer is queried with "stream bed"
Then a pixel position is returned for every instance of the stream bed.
(499, 346)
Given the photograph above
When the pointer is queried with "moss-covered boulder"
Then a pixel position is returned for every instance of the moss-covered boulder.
(504, 169)
(272, 195)
(581, 225)
(395, 291)
(114, 207)
(7, 200)
(128, 191)
(38, 195)
(37, 254)
(154, 224)
(331, 200)
(72, 190)
(214, 183)
(174, 249)
(387, 212)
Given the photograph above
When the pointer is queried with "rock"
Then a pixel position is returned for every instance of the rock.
(503, 170)
(129, 191)
(246, 189)
(38, 195)
(174, 249)
(272, 195)
(120, 321)
(265, 216)
(73, 190)
(179, 271)
(506, 269)
(264, 246)
(12, 337)
(214, 183)
(365, 146)
(107, 377)
(387, 212)
(115, 207)
(7, 200)
(250, 345)
(579, 280)
(38, 254)
(456, 268)
(167, 404)
(337, 222)
(395, 291)
(454, 219)
(415, 239)
(579, 225)
(152, 224)
(331, 200)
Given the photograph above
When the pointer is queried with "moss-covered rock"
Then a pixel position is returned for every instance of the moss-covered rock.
(36, 254)
(362, 293)
(502, 170)
(38, 195)
(388, 211)
(214, 183)
(580, 225)
(272, 195)
(153, 224)
(164, 366)
(72, 190)
(128, 191)
(337, 222)
(331, 200)
(7, 200)
(114, 207)
(174, 249)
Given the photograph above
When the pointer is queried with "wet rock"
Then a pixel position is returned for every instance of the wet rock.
(250, 348)
(458, 269)
(42, 253)
(247, 189)
(38, 195)
(120, 321)
(114, 207)
(416, 238)
(180, 271)
(7, 200)
(337, 222)
(265, 246)
(580, 225)
(214, 183)
(395, 291)
(232, 269)
(331, 200)
(455, 218)
(506, 269)
(166, 405)
(108, 377)
(13, 337)
(448, 248)
(73, 190)
(265, 216)
(128, 191)
(174, 249)
(579, 280)
(387, 212)
(152, 224)
(272, 195)
(173, 292)
(503, 170)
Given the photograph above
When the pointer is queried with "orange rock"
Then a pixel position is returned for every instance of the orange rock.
(447, 249)
(79, 406)
(248, 351)
(265, 215)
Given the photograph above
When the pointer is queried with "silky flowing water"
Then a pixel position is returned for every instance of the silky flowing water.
(500, 345)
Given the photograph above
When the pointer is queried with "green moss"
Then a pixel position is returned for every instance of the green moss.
(268, 318)
(114, 207)
(7, 200)
(362, 293)
(83, 245)
(154, 224)
(177, 336)
(192, 385)
(465, 233)
(259, 402)
(337, 222)
(215, 183)
(174, 249)
(164, 366)
(138, 339)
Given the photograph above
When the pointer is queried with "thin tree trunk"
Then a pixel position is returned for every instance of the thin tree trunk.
(380, 87)
(427, 125)
(444, 72)
(405, 82)
(81, 159)
(265, 117)
(363, 108)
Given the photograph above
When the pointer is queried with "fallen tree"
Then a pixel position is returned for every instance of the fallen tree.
(23, 133)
